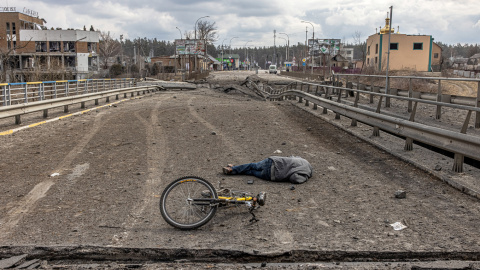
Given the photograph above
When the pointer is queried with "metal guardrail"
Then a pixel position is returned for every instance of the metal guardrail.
(21, 109)
(459, 143)
(18, 93)
(439, 96)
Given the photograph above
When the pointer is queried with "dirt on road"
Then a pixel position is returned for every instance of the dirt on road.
(114, 162)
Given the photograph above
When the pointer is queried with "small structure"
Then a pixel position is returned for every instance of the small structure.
(415, 52)
(230, 61)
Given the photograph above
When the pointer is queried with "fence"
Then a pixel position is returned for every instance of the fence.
(330, 97)
(22, 93)
(439, 97)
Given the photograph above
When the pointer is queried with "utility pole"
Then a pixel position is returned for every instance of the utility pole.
(274, 48)
(306, 49)
(387, 100)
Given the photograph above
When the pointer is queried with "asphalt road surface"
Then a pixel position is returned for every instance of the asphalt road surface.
(113, 164)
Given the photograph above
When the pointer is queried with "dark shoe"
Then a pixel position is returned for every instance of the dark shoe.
(227, 170)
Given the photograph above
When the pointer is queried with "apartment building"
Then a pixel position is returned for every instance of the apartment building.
(29, 50)
(411, 52)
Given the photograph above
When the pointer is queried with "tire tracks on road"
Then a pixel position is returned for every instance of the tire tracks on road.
(20, 208)
(156, 146)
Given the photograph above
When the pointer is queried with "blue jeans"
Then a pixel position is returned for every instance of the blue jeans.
(259, 169)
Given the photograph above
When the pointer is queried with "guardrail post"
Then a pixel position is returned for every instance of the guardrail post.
(307, 103)
(55, 90)
(66, 89)
(65, 109)
(477, 104)
(315, 106)
(410, 94)
(116, 97)
(45, 113)
(387, 91)
(300, 99)
(131, 94)
(376, 132)
(355, 104)
(376, 89)
(439, 99)
(76, 88)
(25, 93)
(82, 105)
(107, 99)
(301, 86)
(458, 160)
(96, 102)
(18, 120)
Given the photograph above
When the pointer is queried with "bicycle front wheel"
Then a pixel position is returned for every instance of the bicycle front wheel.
(179, 207)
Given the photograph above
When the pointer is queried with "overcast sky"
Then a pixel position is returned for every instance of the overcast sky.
(448, 21)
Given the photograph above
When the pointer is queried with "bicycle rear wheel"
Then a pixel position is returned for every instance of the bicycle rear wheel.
(178, 206)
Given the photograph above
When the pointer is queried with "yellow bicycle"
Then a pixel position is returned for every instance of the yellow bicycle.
(190, 202)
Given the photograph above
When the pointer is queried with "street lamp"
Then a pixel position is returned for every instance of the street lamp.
(286, 55)
(222, 52)
(246, 49)
(231, 47)
(196, 25)
(181, 37)
(288, 44)
(195, 42)
(313, 38)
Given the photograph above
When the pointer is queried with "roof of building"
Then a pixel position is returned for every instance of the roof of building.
(475, 56)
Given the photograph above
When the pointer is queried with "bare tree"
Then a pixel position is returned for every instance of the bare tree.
(108, 48)
(357, 38)
(7, 59)
(207, 31)
(189, 34)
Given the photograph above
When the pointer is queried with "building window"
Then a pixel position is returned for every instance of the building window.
(376, 48)
(418, 46)
(8, 28)
(14, 31)
(9, 45)
(435, 55)
(68, 46)
(14, 44)
(92, 47)
(393, 46)
(54, 46)
(349, 52)
(368, 50)
(376, 60)
(40, 46)
(368, 61)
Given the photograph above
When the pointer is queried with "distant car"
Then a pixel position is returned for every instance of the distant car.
(272, 69)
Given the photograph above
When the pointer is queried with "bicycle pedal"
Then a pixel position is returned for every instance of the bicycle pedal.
(261, 197)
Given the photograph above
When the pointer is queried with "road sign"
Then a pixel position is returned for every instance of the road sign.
(304, 60)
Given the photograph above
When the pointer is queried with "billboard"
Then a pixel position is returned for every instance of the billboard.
(324, 46)
(189, 46)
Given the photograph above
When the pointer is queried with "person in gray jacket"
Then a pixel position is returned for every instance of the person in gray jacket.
(294, 169)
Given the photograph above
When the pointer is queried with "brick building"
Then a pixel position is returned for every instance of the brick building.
(413, 52)
(29, 51)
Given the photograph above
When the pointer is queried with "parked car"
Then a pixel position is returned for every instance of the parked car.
(272, 69)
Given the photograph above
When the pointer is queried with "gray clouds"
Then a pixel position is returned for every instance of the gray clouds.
(447, 21)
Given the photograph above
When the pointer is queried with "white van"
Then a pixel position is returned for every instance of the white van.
(272, 69)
